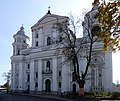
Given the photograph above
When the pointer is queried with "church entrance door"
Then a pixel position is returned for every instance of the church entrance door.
(74, 87)
(48, 86)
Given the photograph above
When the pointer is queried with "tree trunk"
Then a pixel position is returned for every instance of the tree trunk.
(81, 92)
(81, 86)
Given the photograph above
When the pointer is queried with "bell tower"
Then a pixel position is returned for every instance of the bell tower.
(20, 41)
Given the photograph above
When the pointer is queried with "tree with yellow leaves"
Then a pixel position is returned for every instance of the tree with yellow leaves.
(109, 19)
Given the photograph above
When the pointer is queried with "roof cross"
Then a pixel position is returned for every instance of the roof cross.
(49, 10)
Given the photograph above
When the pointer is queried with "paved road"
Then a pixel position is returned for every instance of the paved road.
(10, 97)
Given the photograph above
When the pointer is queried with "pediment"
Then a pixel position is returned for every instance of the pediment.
(49, 18)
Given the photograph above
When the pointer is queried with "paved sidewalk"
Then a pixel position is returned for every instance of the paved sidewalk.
(54, 97)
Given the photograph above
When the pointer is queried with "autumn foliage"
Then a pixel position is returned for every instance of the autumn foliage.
(108, 16)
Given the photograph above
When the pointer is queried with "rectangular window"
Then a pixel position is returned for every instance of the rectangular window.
(59, 73)
(36, 35)
(36, 84)
(99, 75)
(36, 43)
(59, 84)
(28, 66)
(36, 74)
(28, 78)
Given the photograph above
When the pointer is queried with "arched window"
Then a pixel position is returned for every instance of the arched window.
(48, 66)
(48, 41)
(73, 76)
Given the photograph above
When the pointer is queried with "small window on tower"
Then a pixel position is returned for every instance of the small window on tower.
(36, 35)
(59, 73)
(28, 66)
(59, 84)
(24, 41)
(36, 74)
(36, 43)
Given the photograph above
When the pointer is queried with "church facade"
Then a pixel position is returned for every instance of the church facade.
(38, 69)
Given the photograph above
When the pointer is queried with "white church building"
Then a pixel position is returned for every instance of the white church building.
(38, 69)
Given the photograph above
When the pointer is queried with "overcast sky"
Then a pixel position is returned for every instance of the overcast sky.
(14, 13)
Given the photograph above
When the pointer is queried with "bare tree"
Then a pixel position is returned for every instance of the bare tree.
(7, 76)
(73, 47)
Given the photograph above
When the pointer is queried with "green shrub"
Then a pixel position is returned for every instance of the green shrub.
(115, 95)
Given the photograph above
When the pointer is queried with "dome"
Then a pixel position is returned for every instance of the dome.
(21, 31)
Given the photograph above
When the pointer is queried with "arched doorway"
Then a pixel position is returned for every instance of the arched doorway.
(74, 87)
(47, 86)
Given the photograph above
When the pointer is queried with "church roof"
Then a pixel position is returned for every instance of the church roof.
(56, 17)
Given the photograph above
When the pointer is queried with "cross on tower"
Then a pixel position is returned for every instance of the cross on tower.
(49, 10)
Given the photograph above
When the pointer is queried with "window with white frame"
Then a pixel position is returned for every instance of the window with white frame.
(48, 41)
(48, 66)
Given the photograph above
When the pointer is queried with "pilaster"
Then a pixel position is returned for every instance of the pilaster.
(32, 83)
(54, 75)
(20, 76)
(40, 75)
(13, 86)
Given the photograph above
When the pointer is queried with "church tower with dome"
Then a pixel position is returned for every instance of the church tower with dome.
(19, 44)
(20, 41)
